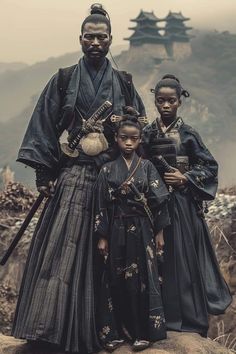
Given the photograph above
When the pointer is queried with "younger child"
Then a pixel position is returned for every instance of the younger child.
(131, 212)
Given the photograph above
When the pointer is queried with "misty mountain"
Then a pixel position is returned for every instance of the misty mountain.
(11, 66)
(17, 87)
(209, 74)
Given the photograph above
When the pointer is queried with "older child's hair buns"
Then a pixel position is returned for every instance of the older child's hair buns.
(170, 76)
(170, 80)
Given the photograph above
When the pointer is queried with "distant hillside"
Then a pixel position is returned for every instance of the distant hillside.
(209, 74)
(17, 87)
(11, 66)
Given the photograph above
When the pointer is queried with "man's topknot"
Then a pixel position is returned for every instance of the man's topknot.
(97, 9)
(97, 15)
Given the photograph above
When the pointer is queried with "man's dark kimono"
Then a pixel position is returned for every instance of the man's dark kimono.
(56, 301)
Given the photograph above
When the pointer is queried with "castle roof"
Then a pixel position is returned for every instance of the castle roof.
(144, 15)
(175, 16)
(147, 30)
(147, 27)
(146, 37)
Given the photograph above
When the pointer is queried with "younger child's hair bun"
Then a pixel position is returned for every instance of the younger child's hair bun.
(131, 111)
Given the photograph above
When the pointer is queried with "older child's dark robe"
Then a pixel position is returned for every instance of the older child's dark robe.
(192, 283)
(134, 300)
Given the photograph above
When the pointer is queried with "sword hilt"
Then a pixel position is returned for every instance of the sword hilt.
(165, 164)
(70, 149)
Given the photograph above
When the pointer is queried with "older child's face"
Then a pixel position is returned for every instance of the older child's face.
(167, 103)
(128, 139)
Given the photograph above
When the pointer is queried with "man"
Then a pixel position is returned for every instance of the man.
(56, 301)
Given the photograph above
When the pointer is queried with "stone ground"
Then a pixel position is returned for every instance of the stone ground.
(176, 343)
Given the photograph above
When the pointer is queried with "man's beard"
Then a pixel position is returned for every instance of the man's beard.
(96, 54)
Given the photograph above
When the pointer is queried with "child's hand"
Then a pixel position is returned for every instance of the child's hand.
(175, 178)
(159, 246)
(103, 247)
(159, 241)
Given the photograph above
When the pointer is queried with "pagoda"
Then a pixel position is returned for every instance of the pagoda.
(178, 40)
(146, 39)
(146, 30)
(172, 43)
(175, 29)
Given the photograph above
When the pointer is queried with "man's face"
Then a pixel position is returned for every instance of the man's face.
(95, 40)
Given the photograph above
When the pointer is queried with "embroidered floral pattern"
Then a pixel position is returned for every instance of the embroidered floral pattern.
(104, 332)
(130, 271)
(97, 221)
(199, 180)
(155, 183)
(110, 305)
(131, 228)
(158, 321)
(150, 252)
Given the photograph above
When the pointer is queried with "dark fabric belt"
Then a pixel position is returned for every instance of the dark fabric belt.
(129, 212)
(80, 160)
(126, 216)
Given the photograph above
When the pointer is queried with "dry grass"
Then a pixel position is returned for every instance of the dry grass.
(225, 339)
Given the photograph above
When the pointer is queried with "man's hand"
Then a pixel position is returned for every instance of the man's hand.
(103, 246)
(47, 191)
(96, 128)
(175, 178)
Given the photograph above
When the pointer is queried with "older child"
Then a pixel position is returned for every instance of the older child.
(192, 284)
(131, 212)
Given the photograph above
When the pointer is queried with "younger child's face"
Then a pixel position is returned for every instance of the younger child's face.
(128, 139)
(167, 103)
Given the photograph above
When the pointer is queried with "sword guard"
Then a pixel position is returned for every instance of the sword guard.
(68, 151)
(143, 120)
(115, 119)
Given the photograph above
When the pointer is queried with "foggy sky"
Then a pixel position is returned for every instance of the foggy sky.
(33, 30)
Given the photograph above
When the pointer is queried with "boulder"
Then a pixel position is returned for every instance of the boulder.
(176, 343)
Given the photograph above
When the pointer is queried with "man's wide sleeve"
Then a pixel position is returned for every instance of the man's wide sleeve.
(40, 145)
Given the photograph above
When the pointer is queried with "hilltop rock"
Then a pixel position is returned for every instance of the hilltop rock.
(176, 343)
